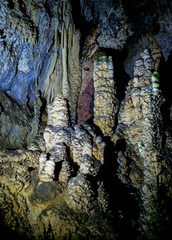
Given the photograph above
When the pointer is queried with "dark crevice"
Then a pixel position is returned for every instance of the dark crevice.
(48, 234)
(2, 36)
(22, 7)
(164, 71)
(11, 4)
(120, 75)
(143, 15)
(48, 156)
(47, 8)
(122, 198)
(74, 165)
(58, 167)
(43, 108)
(121, 79)
(30, 169)
(81, 23)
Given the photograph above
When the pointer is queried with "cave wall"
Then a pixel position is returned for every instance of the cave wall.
(39, 56)
(85, 119)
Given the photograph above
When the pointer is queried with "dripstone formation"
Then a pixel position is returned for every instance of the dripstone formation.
(85, 119)
(104, 96)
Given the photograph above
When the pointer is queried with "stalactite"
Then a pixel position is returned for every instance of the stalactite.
(64, 74)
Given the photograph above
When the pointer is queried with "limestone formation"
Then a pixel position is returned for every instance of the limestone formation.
(64, 72)
(156, 55)
(141, 116)
(55, 136)
(79, 195)
(68, 164)
(104, 96)
(85, 119)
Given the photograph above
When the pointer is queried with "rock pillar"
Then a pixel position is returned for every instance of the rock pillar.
(104, 96)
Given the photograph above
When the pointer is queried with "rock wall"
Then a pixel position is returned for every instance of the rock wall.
(39, 53)
(19, 124)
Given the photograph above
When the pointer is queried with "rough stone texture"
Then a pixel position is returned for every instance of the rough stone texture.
(23, 36)
(63, 70)
(113, 25)
(19, 124)
(85, 100)
(56, 138)
(79, 195)
(69, 182)
(63, 191)
(141, 122)
(18, 177)
(41, 51)
(156, 54)
(104, 96)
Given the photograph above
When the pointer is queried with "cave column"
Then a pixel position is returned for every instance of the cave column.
(56, 139)
(140, 123)
(104, 96)
(150, 148)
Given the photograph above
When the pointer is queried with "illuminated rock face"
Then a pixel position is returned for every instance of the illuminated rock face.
(56, 137)
(85, 119)
(140, 113)
(104, 95)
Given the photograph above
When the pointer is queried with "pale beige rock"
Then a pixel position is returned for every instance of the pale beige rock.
(42, 162)
(139, 116)
(98, 149)
(104, 96)
(58, 112)
(79, 139)
(47, 172)
(86, 166)
(55, 136)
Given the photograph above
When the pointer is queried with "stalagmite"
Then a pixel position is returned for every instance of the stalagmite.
(55, 136)
(104, 95)
(140, 114)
